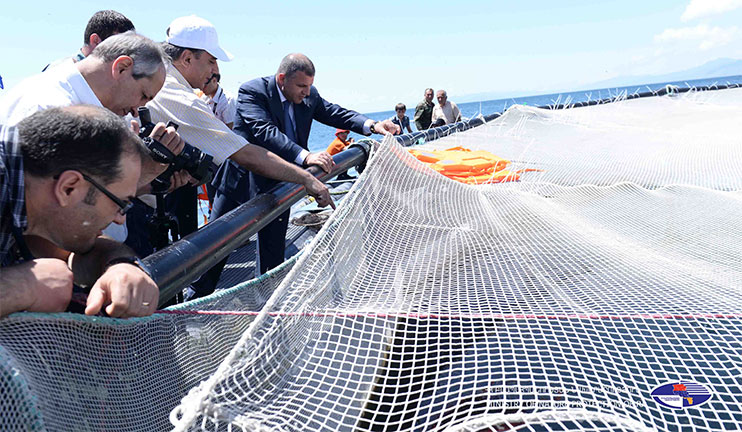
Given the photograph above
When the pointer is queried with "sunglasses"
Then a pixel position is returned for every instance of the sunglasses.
(124, 206)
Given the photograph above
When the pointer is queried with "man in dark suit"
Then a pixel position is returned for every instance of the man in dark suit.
(276, 112)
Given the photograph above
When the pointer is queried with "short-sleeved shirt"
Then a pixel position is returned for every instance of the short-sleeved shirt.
(403, 124)
(12, 196)
(198, 125)
(59, 86)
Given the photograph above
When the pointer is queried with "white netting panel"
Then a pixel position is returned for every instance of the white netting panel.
(66, 372)
(555, 303)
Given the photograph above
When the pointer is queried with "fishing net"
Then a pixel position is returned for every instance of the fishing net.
(569, 300)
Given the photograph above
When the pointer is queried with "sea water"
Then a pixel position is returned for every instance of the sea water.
(321, 135)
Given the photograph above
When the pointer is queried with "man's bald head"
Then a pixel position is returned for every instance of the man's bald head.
(296, 62)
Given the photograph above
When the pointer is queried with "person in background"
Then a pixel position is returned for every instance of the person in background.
(340, 142)
(65, 174)
(101, 26)
(424, 111)
(448, 111)
(222, 104)
(401, 119)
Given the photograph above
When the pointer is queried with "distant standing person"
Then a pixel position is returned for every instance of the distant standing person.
(401, 119)
(424, 111)
(448, 111)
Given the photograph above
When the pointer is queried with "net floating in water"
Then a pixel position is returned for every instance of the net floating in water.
(468, 166)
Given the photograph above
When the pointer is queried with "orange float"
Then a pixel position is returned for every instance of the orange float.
(468, 166)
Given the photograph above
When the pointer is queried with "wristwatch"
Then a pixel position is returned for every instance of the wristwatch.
(125, 260)
(372, 128)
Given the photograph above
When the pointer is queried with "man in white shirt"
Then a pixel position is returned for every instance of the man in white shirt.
(123, 73)
(446, 110)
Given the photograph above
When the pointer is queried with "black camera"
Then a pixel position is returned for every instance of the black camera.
(198, 164)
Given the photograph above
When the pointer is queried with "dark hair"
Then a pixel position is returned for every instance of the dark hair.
(400, 106)
(293, 63)
(106, 23)
(84, 138)
(174, 51)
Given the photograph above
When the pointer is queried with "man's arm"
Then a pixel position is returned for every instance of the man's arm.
(338, 117)
(40, 285)
(267, 164)
(197, 125)
(124, 289)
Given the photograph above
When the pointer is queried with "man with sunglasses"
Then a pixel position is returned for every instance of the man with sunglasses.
(65, 174)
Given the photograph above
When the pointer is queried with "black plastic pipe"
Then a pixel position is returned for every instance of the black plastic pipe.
(179, 264)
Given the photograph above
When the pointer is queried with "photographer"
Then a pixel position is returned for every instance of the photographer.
(122, 73)
(65, 174)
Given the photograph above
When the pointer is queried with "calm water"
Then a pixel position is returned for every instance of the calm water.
(322, 135)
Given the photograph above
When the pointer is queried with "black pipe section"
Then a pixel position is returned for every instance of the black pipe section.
(179, 264)
(442, 131)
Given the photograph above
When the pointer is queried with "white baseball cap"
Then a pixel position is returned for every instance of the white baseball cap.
(195, 32)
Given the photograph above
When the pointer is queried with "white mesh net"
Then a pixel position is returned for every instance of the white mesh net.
(560, 302)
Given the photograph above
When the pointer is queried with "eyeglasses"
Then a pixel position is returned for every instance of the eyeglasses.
(124, 206)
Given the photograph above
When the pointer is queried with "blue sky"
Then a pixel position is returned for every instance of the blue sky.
(371, 55)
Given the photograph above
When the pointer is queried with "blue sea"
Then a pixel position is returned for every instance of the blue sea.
(321, 135)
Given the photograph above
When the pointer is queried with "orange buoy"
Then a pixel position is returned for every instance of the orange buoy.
(467, 166)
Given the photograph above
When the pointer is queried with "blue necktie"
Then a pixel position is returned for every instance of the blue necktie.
(289, 122)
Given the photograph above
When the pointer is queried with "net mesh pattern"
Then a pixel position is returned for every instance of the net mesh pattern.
(555, 303)
(65, 372)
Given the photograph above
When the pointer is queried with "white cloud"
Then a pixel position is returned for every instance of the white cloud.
(706, 37)
(702, 8)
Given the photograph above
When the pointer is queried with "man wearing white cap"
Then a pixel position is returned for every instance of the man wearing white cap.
(193, 47)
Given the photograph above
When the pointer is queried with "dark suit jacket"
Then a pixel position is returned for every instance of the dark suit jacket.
(260, 117)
